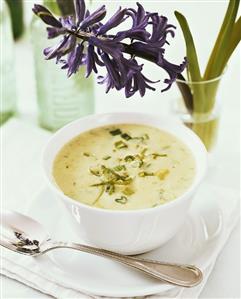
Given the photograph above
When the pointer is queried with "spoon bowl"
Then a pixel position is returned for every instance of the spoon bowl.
(22, 233)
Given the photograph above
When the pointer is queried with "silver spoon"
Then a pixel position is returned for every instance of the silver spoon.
(24, 235)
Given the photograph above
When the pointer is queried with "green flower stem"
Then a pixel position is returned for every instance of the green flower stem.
(234, 40)
(228, 39)
(190, 47)
(193, 65)
(216, 61)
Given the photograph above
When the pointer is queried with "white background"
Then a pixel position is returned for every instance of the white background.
(205, 19)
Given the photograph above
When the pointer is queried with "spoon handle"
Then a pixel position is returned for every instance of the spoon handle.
(177, 274)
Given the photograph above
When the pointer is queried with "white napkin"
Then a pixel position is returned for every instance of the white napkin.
(22, 150)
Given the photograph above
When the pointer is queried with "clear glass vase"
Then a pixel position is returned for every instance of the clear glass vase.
(7, 66)
(60, 99)
(199, 109)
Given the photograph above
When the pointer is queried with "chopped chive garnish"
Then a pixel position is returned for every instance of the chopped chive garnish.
(129, 158)
(125, 136)
(115, 132)
(120, 144)
(122, 200)
(143, 152)
(110, 188)
(104, 183)
(119, 168)
(99, 196)
(86, 154)
(156, 155)
(144, 173)
(94, 171)
(106, 157)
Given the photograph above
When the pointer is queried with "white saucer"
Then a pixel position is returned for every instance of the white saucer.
(195, 244)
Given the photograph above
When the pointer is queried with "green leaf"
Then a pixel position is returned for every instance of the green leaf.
(193, 65)
(234, 40)
(219, 53)
(190, 48)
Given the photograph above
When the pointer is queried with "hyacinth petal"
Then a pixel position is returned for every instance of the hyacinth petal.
(54, 32)
(61, 49)
(79, 6)
(140, 15)
(158, 27)
(90, 61)
(46, 16)
(138, 34)
(87, 13)
(114, 21)
(150, 81)
(98, 61)
(172, 32)
(69, 46)
(93, 18)
(53, 52)
(75, 60)
(173, 70)
(108, 46)
(112, 71)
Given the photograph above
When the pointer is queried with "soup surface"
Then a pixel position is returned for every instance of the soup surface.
(124, 167)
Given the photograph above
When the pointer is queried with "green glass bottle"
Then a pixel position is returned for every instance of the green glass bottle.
(7, 66)
(60, 99)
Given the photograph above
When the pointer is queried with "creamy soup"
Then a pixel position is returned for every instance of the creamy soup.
(124, 167)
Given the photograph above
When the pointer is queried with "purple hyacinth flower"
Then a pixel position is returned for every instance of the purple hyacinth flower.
(86, 42)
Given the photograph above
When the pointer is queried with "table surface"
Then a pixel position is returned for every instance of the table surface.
(224, 282)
